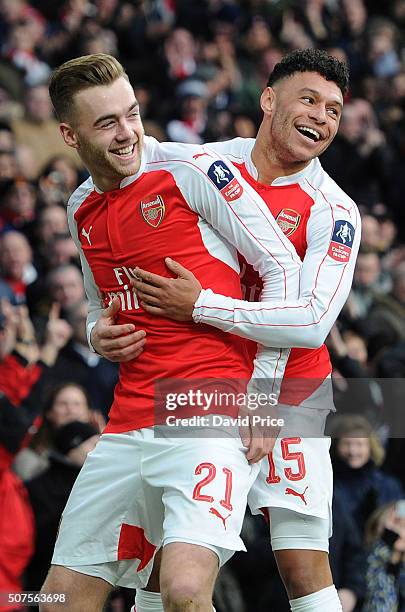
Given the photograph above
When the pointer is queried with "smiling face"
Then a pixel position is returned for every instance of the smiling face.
(107, 131)
(301, 118)
(354, 451)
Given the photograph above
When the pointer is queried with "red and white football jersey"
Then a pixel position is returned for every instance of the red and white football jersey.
(323, 224)
(187, 203)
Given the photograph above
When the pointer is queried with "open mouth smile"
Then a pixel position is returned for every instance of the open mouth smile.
(124, 152)
(309, 133)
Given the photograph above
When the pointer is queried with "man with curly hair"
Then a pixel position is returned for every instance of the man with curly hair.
(302, 106)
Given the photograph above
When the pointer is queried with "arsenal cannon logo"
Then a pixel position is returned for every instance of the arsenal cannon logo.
(288, 220)
(153, 210)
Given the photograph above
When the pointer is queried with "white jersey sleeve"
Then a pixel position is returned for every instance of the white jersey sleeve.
(90, 287)
(216, 191)
(333, 239)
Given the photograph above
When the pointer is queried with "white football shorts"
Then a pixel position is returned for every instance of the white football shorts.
(136, 493)
(298, 474)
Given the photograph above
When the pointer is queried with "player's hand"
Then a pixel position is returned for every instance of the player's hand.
(173, 298)
(258, 437)
(116, 342)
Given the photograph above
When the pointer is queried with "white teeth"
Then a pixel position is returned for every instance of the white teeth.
(310, 131)
(125, 151)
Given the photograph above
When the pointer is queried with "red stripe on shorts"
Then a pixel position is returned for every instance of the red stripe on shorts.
(134, 545)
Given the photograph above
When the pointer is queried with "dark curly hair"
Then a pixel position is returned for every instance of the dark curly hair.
(312, 60)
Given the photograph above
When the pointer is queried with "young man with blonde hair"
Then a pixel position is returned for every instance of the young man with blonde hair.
(138, 493)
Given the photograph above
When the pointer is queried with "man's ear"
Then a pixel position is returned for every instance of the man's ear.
(267, 100)
(69, 135)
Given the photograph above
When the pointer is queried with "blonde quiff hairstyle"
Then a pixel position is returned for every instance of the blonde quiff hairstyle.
(78, 74)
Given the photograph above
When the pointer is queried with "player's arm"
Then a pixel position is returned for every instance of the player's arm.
(239, 215)
(325, 284)
(105, 337)
(326, 278)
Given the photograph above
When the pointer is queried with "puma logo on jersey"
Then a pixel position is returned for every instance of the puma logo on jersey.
(87, 234)
(197, 155)
(218, 515)
(290, 491)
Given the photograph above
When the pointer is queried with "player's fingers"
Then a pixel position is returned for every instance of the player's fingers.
(245, 435)
(178, 269)
(114, 331)
(255, 452)
(124, 354)
(132, 356)
(112, 309)
(149, 299)
(123, 341)
(153, 279)
(154, 310)
(145, 289)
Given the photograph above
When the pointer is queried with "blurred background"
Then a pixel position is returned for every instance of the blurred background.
(198, 68)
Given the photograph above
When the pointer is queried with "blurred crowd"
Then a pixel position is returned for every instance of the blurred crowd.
(198, 68)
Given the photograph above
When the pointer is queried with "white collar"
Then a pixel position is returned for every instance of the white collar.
(309, 171)
(306, 173)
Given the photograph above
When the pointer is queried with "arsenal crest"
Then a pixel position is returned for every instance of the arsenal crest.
(288, 220)
(153, 210)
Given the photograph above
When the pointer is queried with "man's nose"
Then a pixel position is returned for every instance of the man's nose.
(124, 130)
(318, 113)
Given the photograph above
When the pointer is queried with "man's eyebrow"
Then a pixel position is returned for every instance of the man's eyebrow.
(112, 116)
(316, 93)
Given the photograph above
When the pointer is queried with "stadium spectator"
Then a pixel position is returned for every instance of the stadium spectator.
(385, 574)
(367, 283)
(60, 175)
(48, 493)
(38, 130)
(62, 251)
(361, 140)
(77, 362)
(357, 456)
(22, 375)
(192, 120)
(352, 373)
(18, 201)
(347, 557)
(66, 402)
(16, 267)
(17, 543)
(66, 285)
(386, 318)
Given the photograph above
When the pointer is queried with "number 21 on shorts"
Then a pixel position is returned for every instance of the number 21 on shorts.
(210, 476)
